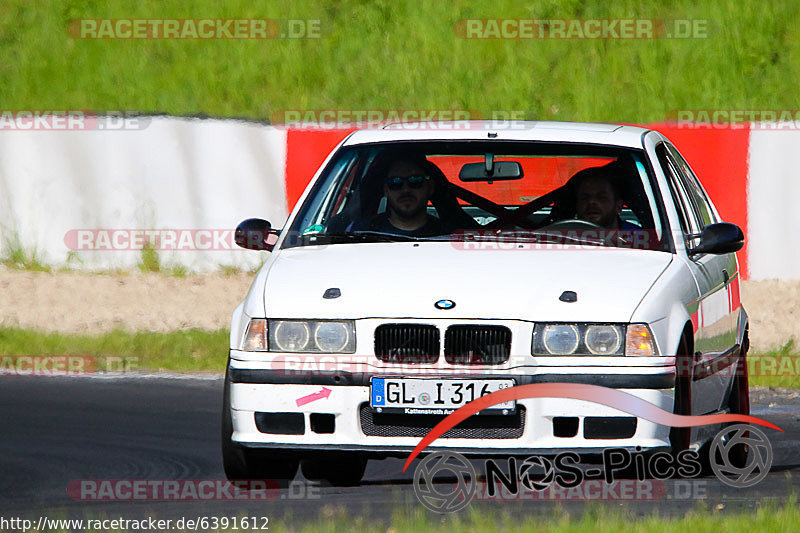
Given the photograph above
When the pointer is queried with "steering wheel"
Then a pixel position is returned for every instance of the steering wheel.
(572, 223)
(503, 222)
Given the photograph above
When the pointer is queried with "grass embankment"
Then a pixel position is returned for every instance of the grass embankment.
(776, 368)
(404, 54)
(180, 351)
(768, 517)
(16, 257)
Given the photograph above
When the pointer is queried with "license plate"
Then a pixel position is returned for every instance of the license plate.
(435, 396)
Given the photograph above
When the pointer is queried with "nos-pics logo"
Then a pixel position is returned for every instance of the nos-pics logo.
(739, 455)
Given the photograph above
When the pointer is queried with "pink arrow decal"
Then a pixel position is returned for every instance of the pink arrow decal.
(313, 397)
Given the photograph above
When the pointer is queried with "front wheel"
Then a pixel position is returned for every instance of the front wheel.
(739, 404)
(680, 437)
(340, 469)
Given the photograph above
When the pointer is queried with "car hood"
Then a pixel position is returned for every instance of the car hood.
(405, 279)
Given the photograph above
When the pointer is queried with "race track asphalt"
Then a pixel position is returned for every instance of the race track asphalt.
(56, 430)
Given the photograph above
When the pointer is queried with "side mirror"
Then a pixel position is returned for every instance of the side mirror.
(253, 233)
(719, 238)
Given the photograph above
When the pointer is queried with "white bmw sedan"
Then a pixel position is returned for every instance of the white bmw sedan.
(428, 265)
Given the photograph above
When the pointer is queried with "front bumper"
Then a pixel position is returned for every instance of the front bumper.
(257, 389)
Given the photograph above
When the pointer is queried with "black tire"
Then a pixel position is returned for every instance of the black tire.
(680, 438)
(339, 469)
(739, 403)
(240, 462)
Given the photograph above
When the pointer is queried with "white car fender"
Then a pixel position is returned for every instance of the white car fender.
(675, 285)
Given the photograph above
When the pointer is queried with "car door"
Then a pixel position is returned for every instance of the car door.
(711, 272)
(730, 271)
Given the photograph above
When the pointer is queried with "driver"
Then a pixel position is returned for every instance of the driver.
(598, 199)
(408, 188)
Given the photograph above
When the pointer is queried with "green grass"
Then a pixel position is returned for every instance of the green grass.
(16, 257)
(769, 517)
(181, 351)
(403, 54)
(594, 518)
(151, 262)
(776, 368)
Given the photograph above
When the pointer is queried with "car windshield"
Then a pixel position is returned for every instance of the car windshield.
(451, 191)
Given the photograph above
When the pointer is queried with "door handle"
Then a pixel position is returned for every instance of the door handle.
(725, 275)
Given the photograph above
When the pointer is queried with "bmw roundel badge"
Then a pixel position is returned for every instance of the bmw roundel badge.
(444, 304)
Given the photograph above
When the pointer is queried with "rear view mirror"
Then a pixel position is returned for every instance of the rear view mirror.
(253, 234)
(491, 170)
(720, 238)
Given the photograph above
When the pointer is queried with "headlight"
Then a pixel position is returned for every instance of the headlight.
(603, 340)
(332, 336)
(560, 339)
(289, 336)
(326, 336)
(578, 339)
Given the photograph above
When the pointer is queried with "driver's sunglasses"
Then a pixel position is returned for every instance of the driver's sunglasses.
(395, 183)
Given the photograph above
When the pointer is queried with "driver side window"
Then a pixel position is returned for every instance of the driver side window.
(692, 186)
(690, 222)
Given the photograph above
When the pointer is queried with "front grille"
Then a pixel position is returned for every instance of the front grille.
(477, 345)
(407, 343)
(475, 427)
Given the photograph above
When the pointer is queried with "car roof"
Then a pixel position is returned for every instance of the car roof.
(568, 132)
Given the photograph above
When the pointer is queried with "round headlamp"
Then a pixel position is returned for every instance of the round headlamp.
(292, 336)
(603, 340)
(331, 336)
(560, 339)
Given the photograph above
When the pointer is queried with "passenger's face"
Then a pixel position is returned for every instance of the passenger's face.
(596, 203)
(407, 202)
